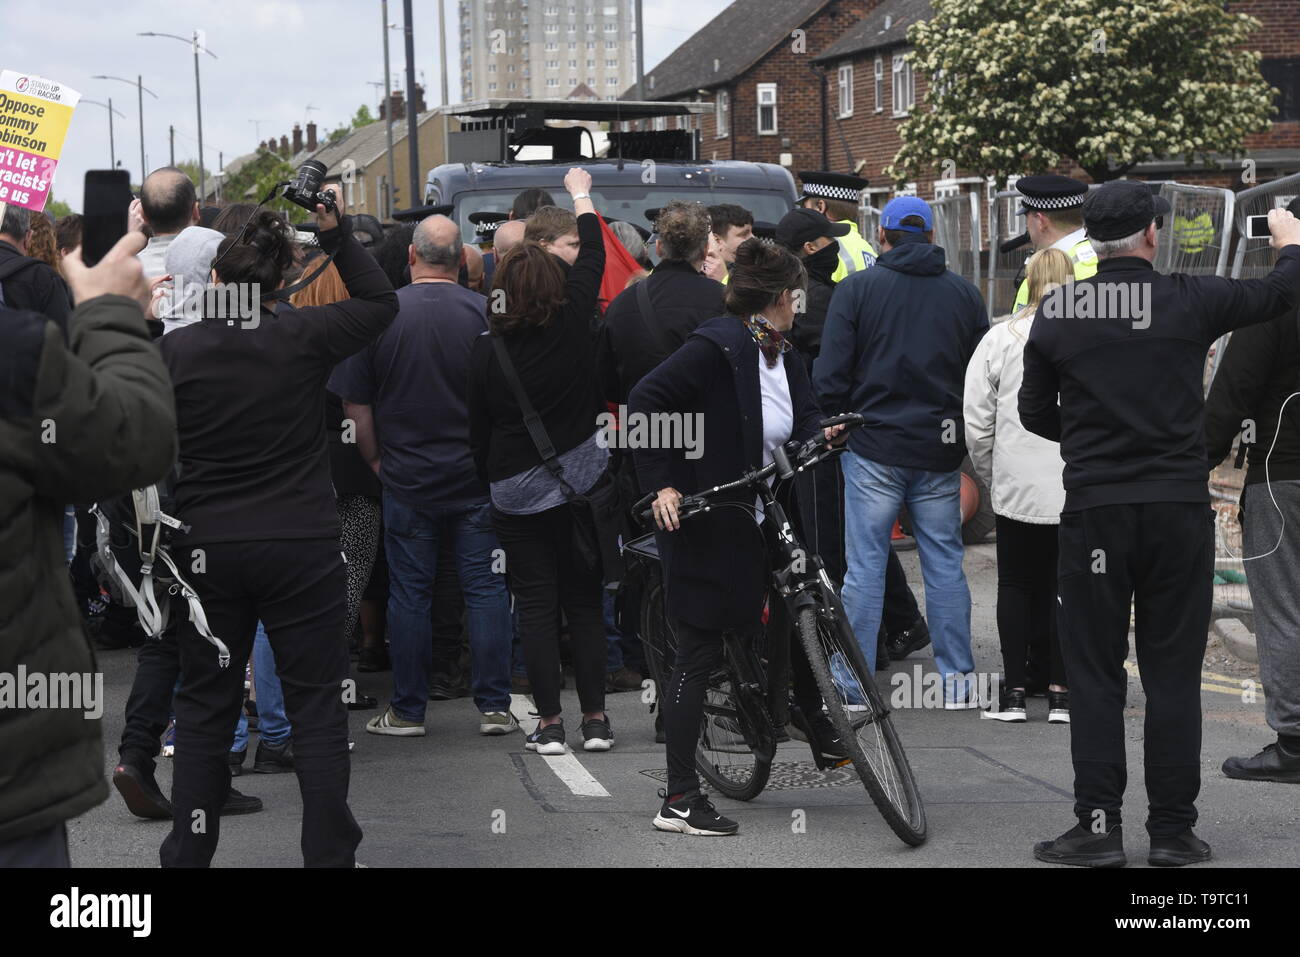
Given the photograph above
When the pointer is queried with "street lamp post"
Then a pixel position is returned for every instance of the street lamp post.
(141, 90)
(198, 92)
(388, 117)
(112, 150)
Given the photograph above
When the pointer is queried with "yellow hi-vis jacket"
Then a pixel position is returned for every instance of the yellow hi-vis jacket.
(1081, 254)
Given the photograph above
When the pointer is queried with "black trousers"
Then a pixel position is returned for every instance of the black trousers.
(699, 653)
(819, 516)
(47, 848)
(298, 589)
(149, 704)
(1027, 599)
(1161, 555)
(546, 576)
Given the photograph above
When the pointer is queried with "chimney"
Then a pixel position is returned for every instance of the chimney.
(419, 100)
(311, 136)
(261, 146)
(397, 104)
(284, 146)
(297, 139)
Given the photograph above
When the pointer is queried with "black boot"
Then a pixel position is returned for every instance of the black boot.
(1083, 848)
(271, 760)
(1274, 763)
(909, 640)
(134, 780)
(1185, 848)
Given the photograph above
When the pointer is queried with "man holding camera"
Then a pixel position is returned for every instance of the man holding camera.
(1125, 352)
(1254, 396)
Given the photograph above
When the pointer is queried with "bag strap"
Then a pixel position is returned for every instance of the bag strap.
(532, 421)
(648, 317)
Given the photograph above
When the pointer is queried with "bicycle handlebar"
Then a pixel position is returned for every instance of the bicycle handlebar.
(785, 462)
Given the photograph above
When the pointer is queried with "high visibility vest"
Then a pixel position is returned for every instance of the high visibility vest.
(1085, 265)
(1193, 234)
(855, 253)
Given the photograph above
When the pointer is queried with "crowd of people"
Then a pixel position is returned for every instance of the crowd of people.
(399, 454)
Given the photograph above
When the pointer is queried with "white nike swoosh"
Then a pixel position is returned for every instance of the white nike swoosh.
(680, 813)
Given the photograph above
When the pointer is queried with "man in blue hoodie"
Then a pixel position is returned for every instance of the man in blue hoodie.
(895, 346)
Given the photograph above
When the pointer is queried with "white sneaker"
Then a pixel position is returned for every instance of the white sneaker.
(497, 722)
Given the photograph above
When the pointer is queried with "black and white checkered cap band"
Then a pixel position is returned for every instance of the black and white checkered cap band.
(1053, 202)
(846, 193)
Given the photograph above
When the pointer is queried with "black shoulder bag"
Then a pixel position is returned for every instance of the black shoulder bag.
(600, 515)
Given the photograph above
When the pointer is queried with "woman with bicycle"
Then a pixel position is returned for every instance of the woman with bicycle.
(733, 373)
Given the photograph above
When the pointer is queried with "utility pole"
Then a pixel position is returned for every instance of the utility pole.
(112, 152)
(171, 146)
(412, 138)
(442, 60)
(640, 54)
(388, 118)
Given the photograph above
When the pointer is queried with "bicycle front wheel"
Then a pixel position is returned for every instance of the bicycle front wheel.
(860, 718)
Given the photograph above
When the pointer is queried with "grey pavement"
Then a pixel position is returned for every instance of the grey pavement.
(455, 798)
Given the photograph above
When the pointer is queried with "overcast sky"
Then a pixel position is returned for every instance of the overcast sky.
(275, 60)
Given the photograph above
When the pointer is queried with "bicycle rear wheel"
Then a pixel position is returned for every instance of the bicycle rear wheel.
(861, 719)
(730, 754)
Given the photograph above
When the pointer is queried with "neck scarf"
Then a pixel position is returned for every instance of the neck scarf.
(770, 342)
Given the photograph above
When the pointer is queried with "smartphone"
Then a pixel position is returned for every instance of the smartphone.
(107, 201)
(1257, 227)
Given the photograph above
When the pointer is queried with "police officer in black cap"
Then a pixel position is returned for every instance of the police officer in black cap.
(1125, 351)
(1053, 209)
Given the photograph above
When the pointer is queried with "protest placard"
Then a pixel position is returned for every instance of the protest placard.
(34, 117)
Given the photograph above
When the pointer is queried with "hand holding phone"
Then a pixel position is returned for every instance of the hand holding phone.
(107, 203)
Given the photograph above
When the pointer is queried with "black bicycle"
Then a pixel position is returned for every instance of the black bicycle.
(738, 736)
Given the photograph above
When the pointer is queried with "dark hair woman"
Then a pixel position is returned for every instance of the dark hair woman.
(735, 373)
(263, 527)
(541, 309)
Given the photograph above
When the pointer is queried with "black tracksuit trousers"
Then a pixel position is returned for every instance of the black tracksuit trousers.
(1162, 556)
(298, 589)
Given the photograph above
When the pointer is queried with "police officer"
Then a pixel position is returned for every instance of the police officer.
(1053, 209)
(1125, 351)
(837, 196)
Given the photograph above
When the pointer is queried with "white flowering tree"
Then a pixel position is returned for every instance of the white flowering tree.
(1025, 85)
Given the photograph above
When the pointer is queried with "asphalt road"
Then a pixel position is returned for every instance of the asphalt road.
(454, 798)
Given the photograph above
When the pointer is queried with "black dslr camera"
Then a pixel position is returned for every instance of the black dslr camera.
(305, 189)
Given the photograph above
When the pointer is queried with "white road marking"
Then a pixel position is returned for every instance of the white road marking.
(566, 766)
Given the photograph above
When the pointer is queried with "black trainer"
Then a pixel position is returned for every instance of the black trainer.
(236, 761)
(693, 813)
(909, 640)
(272, 760)
(1272, 764)
(1011, 706)
(597, 734)
(1058, 707)
(1083, 848)
(237, 803)
(828, 750)
(141, 792)
(547, 740)
(1184, 848)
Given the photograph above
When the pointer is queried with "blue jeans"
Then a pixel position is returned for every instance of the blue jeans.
(411, 542)
(873, 495)
(272, 723)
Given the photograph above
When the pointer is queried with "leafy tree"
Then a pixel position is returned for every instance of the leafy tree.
(256, 177)
(56, 209)
(362, 118)
(1022, 85)
(191, 169)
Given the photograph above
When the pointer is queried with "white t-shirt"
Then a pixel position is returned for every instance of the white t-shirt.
(778, 409)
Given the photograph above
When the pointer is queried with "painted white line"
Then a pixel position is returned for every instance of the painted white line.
(566, 766)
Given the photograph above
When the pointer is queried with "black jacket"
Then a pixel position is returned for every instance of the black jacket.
(626, 349)
(250, 407)
(895, 347)
(37, 287)
(1259, 370)
(556, 365)
(78, 423)
(1131, 414)
(714, 568)
(807, 331)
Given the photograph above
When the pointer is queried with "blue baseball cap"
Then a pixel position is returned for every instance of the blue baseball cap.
(900, 207)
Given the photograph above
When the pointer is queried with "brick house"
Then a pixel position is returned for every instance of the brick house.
(754, 62)
(876, 88)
